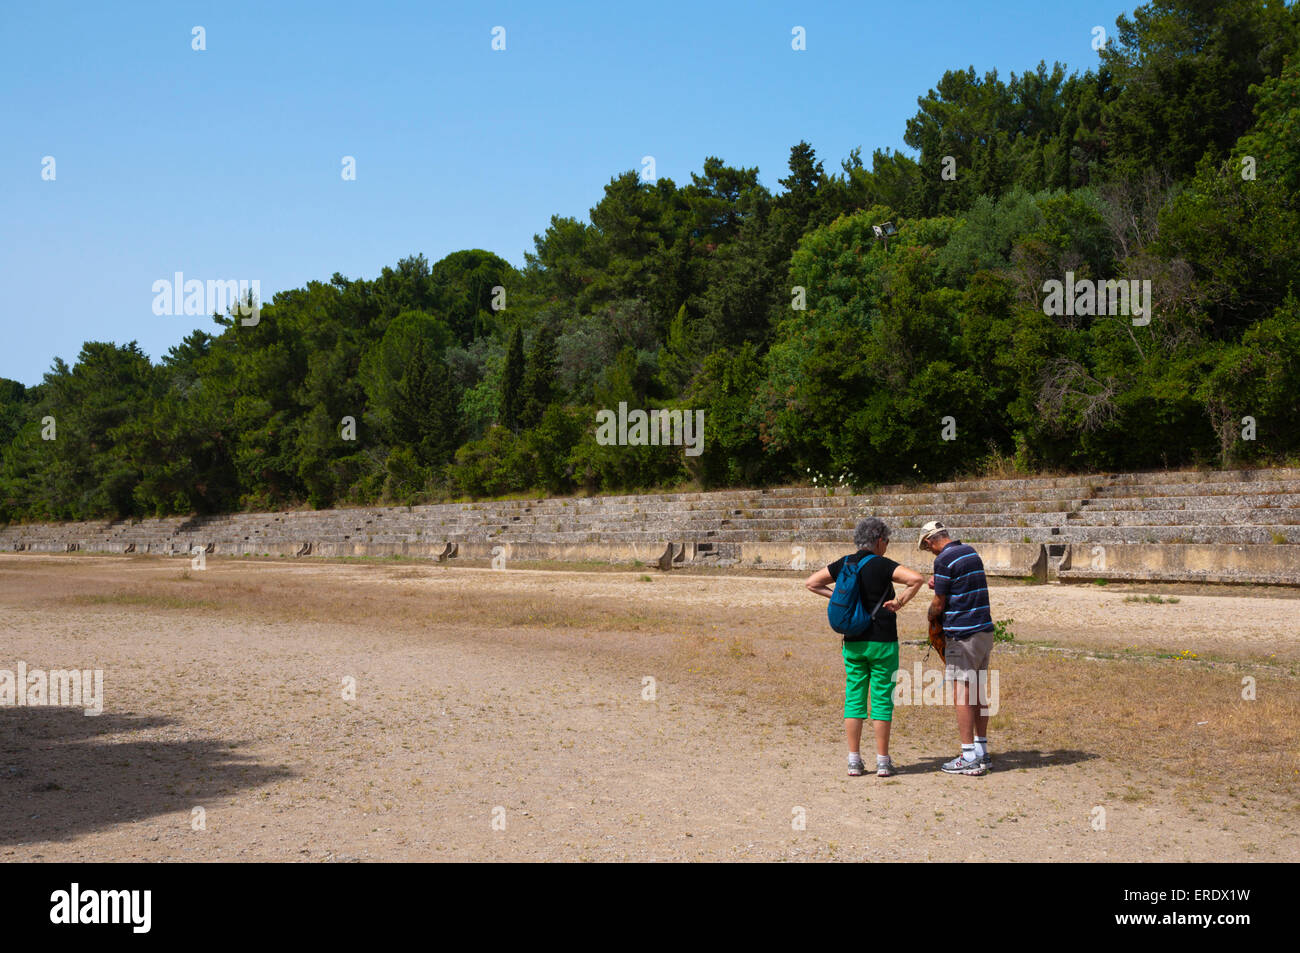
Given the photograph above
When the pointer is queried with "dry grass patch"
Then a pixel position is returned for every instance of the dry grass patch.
(147, 600)
(1189, 727)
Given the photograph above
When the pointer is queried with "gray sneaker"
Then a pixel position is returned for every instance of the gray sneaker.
(857, 769)
(987, 761)
(960, 765)
(885, 770)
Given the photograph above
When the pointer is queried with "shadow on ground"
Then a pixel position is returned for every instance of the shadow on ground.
(63, 774)
(1006, 760)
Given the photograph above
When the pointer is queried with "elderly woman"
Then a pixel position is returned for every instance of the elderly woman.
(871, 659)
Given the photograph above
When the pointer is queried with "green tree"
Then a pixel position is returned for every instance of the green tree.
(87, 471)
(462, 288)
(1188, 73)
(538, 387)
(388, 362)
(425, 415)
(512, 385)
(1274, 142)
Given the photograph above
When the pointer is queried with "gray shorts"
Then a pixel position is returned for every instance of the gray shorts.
(964, 656)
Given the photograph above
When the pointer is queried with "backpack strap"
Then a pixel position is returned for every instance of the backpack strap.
(872, 617)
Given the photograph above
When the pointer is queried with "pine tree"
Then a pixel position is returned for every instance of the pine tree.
(678, 358)
(539, 388)
(424, 414)
(512, 386)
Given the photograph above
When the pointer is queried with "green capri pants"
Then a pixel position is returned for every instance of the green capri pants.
(869, 669)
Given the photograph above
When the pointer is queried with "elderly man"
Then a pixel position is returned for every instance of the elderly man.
(870, 660)
(961, 599)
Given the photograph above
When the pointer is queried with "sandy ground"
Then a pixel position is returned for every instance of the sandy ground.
(494, 720)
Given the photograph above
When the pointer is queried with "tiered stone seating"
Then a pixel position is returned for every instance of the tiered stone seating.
(1046, 526)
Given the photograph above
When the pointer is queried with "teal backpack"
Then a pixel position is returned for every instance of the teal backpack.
(846, 613)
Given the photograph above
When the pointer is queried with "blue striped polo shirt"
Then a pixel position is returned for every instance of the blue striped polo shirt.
(959, 575)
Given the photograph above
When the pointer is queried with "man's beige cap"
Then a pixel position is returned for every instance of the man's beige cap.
(932, 528)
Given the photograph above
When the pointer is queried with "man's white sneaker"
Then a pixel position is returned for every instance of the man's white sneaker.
(960, 765)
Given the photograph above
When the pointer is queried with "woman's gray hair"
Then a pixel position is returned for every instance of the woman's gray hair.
(869, 531)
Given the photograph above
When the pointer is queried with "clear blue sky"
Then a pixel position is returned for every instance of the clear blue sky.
(226, 163)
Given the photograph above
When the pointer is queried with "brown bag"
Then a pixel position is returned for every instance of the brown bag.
(938, 641)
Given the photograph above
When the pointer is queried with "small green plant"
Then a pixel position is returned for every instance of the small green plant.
(1002, 631)
(1024, 539)
(1151, 598)
(646, 579)
(1101, 582)
(1279, 538)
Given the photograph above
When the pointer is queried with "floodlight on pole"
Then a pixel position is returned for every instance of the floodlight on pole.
(884, 232)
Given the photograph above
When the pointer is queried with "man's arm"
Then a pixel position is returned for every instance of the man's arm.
(820, 582)
(939, 582)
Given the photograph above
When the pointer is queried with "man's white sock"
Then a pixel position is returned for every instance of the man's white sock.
(882, 759)
(981, 747)
(968, 752)
(855, 758)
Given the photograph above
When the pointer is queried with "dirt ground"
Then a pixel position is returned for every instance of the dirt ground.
(511, 716)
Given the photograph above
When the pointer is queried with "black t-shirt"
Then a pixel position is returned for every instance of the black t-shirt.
(875, 578)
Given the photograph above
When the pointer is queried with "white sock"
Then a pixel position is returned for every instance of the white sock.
(882, 759)
(855, 758)
(981, 747)
(968, 752)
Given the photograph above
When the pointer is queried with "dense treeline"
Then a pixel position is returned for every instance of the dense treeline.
(1174, 160)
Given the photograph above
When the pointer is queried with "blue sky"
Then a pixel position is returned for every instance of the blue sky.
(226, 163)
